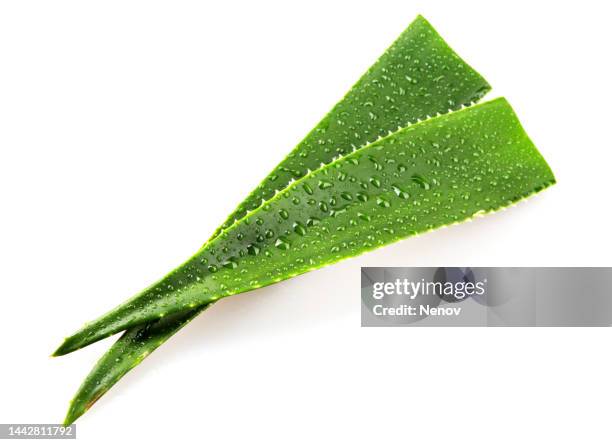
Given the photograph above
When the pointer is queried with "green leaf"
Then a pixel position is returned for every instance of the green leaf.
(127, 352)
(417, 77)
(431, 174)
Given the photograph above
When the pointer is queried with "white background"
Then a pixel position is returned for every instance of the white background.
(129, 130)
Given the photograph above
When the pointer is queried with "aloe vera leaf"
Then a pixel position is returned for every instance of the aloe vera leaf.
(419, 72)
(127, 352)
(418, 76)
(431, 174)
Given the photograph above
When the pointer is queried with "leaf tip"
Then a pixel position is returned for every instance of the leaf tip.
(67, 346)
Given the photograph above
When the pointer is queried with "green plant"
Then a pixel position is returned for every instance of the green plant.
(428, 175)
(434, 173)
(417, 77)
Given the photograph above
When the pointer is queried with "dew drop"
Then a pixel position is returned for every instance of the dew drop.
(363, 216)
(382, 202)
(299, 228)
(399, 192)
(323, 184)
(307, 189)
(339, 211)
(231, 263)
(282, 243)
(421, 181)
(361, 196)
